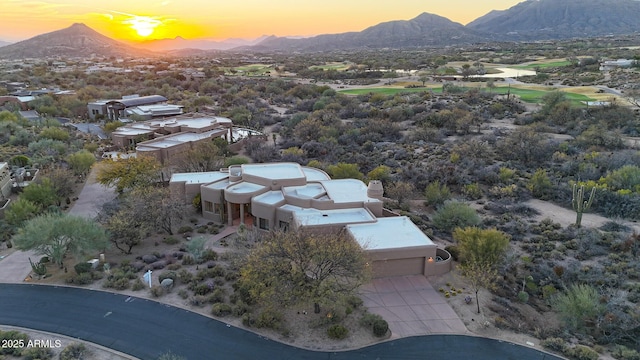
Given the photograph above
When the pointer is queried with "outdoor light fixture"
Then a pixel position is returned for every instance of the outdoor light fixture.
(430, 259)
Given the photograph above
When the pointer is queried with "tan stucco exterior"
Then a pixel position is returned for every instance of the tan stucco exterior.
(289, 196)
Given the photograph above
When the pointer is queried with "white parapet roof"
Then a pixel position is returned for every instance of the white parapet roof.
(314, 174)
(346, 190)
(274, 171)
(308, 191)
(244, 188)
(269, 198)
(389, 233)
(311, 216)
(199, 177)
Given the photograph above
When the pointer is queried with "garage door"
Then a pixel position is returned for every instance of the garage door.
(397, 267)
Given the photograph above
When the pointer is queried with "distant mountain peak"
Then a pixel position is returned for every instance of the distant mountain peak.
(77, 40)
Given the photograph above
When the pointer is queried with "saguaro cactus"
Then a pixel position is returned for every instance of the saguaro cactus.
(578, 202)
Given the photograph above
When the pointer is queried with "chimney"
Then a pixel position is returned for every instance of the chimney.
(375, 189)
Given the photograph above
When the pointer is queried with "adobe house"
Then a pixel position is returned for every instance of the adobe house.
(289, 196)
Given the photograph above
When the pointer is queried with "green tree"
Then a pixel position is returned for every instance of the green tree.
(399, 190)
(345, 171)
(481, 251)
(54, 133)
(62, 180)
(288, 268)
(57, 235)
(436, 194)
(42, 193)
(381, 172)
(20, 211)
(81, 162)
(540, 185)
(236, 160)
(579, 306)
(454, 214)
(129, 173)
(203, 156)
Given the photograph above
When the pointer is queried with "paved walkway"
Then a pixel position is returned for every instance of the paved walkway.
(15, 267)
(411, 306)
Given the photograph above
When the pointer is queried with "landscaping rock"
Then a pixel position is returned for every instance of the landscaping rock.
(149, 259)
(167, 284)
(138, 265)
(159, 265)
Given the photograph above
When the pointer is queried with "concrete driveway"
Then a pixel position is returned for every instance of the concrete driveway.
(411, 306)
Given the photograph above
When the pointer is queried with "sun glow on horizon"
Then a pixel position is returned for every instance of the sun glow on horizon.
(143, 25)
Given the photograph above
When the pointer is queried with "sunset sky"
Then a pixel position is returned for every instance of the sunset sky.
(222, 19)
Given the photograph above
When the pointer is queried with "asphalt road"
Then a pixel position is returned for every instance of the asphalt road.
(147, 329)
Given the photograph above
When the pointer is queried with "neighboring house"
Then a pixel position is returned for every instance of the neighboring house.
(5, 181)
(116, 108)
(31, 115)
(289, 196)
(21, 101)
(168, 137)
(613, 64)
(148, 112)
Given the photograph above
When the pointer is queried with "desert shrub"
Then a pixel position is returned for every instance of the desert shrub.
(613, 226)
(202, 230)
(74, 351)
(337, 331)
(581, 352)
(579, 305)
(221, 309)
(239, 308)
(118, 283)
(270, 319)
(202, 289)
(170, 240)
(9, 336)
(380, 327)
(354, 301)
(156, 291)
(624, 353)
(185, 276)
(472, 191)
(137, 285)
(82, 267)
(555, 344)
(185, 229)
(540, 185)
(81, 279)
(368, 319)
(188, 260)
(217, 296)
(174, 267)
(198, 300)
(454, 214)
(523, 296)
(37, 353)
(209, 255)
(436, 194)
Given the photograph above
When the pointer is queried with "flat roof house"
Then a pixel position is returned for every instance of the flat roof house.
(115, 109)
(289, 196)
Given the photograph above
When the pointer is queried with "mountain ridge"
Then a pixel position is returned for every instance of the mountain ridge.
(526, 21)
(77, 40)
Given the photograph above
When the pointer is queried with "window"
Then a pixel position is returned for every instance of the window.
(284, 225)
(263, 224)
(208, 206)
